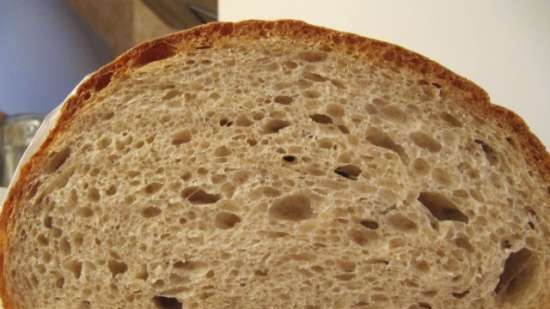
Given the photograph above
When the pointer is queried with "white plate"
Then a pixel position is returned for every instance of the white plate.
(3, 192)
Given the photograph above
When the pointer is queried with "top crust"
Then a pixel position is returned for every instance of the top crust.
(474, 99)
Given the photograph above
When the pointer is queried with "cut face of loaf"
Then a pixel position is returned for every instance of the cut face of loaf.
(279, 165)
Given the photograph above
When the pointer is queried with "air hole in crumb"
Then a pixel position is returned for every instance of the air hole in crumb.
(57, 159)
(129, 199)
(139, 144)
(346, 265)
(370, 224)
(271, 192)
(335, 110)
(94, 172)
(510, 141)
(302, 83)
(42, 240)
(314, 77)
(290, 65)
(224, 122)
(425, 141)
(65, 246)
(261, 272)
(214, 96)
(362, 236)
(345, 277)
(78, 239)
(222, 151)
(490, 153)
(164, 302)
(171, 94)
(283, 99)
(289, 158)
(441, 207)
(57, 232)
(460, 295)
(85, 212)
(181, 137)
(75, 267)
(154, 52)
(293, 207)
(218, 178)
(33, 189)
(379, 101)
(422, 266)
(326, 143)
(382, 139)
(142, 274)
(103, 143)
(401, 223)
(257, 115)
(371, 109)
(189, 265)
(424, 306)
(102, 80)
(349, 171)
(450, 119)
(275, 125)
(153, 187)
(312, 94)
(421, 166)
(196, 195)
(158, 283)
(270, 67)
(321, 118)
(150, 139)
(343, 129)
(517, 278)
(85, 305)
(93, 194)
(46, 256)
(338, 83)
(48, 222)
(312, 56)
(116, 267)
(442, 176)
(226, 220)
(393, 113)
(150, 212)
(464, 242)
(60, 282)
(111, 190)
(243, 121)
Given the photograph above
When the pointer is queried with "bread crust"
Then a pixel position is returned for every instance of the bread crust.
(476, 100)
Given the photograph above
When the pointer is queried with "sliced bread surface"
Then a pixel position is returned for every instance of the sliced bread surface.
(279, 165)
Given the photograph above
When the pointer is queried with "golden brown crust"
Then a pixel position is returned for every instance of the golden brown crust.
(384, 54)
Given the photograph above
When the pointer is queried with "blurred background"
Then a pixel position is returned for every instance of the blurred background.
(48, 46)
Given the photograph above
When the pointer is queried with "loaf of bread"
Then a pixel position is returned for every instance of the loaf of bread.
(279, 165)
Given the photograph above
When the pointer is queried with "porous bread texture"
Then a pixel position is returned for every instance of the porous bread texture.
(271, 170)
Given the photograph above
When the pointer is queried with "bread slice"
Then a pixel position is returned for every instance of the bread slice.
(279, 165)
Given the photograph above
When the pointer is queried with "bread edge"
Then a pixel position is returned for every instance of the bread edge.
(477, 100)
